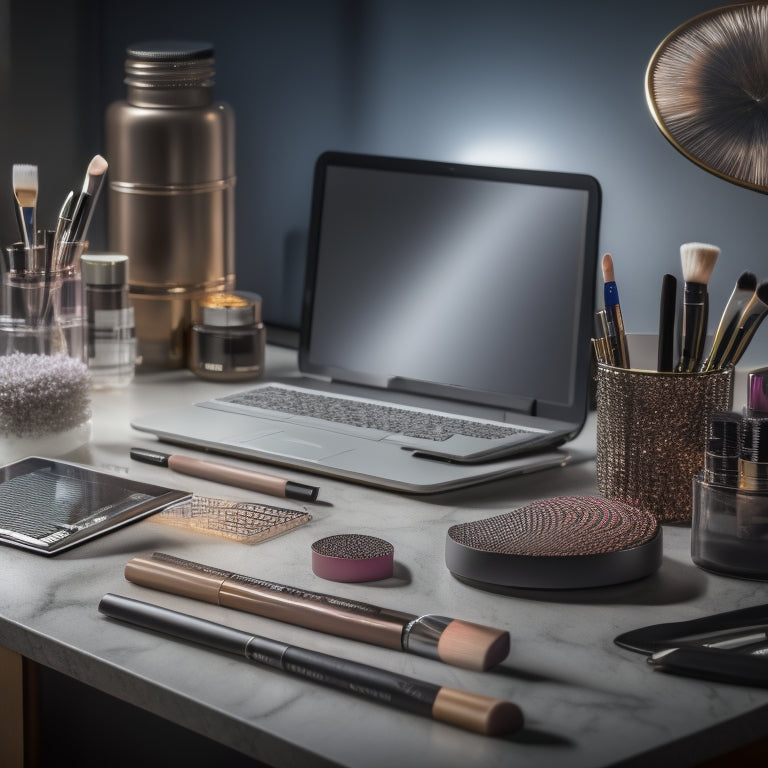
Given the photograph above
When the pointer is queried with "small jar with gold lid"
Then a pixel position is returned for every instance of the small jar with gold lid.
(227, 337)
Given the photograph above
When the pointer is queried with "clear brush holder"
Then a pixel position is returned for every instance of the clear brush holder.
(651, 433)
(44, 382)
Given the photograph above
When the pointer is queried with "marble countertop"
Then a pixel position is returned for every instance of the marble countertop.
(587, 702)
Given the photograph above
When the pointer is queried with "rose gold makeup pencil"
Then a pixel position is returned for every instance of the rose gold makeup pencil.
(471, 711)
(460, 643)
(228, 475)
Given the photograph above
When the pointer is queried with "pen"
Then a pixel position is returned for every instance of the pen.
(229, 475)
(473, 712)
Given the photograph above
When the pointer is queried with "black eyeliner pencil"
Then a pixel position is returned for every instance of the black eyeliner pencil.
(471, 711)
(666, 354)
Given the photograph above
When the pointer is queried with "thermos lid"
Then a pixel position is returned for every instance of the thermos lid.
(227, 310)
(155, 67)
(170, 50)
(104, 268)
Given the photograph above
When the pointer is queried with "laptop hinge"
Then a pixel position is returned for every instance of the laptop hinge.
(525, 405)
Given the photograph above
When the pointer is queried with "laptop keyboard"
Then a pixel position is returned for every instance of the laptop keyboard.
(412, 423)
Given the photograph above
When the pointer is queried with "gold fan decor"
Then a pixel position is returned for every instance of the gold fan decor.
(707, 89)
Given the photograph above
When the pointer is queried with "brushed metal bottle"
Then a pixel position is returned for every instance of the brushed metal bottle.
(171, 206)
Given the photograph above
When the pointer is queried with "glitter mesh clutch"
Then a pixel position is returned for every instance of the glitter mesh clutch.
(243, 521)
(651, 431)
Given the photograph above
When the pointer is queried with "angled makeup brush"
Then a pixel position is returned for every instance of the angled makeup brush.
(667, 304)
(729, 322)
(86, 200)
(698, 261)
(751, 317)
(613, 313)
(25, 191)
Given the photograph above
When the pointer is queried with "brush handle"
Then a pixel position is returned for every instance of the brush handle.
(695, 315)
(667, 306)
(618, 336)
(725, 336)
(27, 224)
(747, 328)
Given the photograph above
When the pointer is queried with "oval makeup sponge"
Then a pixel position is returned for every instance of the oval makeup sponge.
(352, 557)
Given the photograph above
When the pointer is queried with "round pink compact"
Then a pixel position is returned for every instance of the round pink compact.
(353, 557)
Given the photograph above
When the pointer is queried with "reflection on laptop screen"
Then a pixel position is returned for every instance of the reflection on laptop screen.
(479, 279)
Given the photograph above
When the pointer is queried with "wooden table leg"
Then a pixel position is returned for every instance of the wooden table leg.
(19, 715)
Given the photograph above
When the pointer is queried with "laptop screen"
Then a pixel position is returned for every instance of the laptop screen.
(469, 282)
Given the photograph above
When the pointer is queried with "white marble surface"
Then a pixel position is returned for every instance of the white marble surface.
(586, 701)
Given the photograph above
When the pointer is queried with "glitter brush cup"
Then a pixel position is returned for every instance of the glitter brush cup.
(651, 434)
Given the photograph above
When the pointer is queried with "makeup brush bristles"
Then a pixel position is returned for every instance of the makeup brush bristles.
(608, 273)
(25, 186)
(698, 261)
(473, 646)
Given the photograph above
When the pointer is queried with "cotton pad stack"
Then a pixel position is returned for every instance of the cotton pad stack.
(44, 405)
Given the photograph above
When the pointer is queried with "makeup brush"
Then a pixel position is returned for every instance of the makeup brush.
(25, 191)
(729, 322)
(667, 306)
(613, 313)
(62, 225)
(751, 317)
(698, 260)
(83, 210)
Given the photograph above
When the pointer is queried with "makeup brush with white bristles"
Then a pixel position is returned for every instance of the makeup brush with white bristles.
(25, 191)
(698, 261)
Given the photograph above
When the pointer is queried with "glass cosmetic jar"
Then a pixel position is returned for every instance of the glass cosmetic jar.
(227, 338)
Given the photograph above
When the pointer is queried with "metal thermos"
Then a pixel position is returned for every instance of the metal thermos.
(171, 152)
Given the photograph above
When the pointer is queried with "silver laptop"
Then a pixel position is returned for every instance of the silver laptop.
(445, 330)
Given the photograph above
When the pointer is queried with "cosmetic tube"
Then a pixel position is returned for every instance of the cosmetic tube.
(452, 641)
(473, 712)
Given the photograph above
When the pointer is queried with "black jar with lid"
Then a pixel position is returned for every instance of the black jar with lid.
(227, 339)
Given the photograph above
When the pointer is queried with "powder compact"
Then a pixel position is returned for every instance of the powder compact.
(559, 543)
(227, 337)
(352, 557)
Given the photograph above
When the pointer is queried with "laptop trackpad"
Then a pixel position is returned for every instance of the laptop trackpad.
(313, 445)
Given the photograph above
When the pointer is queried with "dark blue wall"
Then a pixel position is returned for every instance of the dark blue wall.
(555, 85)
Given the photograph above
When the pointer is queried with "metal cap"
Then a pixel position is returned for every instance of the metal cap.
(104, 268)
(170, 50)
(227, 310)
